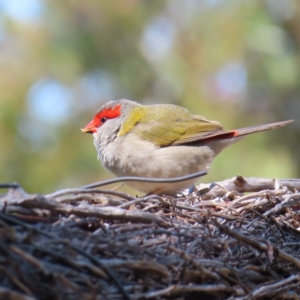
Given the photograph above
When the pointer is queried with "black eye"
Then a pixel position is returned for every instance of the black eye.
(103, 120)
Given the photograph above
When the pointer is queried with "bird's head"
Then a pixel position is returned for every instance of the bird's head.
(106, 113)
(109, 119)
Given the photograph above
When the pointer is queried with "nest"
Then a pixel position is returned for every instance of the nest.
(238, 239)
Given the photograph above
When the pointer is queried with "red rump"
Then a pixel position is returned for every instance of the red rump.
(228, 135)
(223, 135)
(235, 133)
(109, 113)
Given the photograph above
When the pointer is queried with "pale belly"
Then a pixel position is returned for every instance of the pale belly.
(143, 159)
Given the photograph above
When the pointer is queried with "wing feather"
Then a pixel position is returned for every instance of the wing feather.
(173, 125)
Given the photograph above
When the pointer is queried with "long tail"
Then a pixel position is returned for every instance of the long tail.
(221, 139)
(258, 128)
(229, 134)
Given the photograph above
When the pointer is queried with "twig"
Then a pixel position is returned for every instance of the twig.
(145, 179)
(273, 287)
(176, 289)
(16, 281)
(205, 273)
(6, 293)
(89, 191)
(13, 185)
(258, 245)
(251, 184)
(91, 249)
(206, 212)
(94, 260)
(282, 204)
(112, 213)
(146, 198)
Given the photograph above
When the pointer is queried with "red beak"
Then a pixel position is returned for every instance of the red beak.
(90, 127)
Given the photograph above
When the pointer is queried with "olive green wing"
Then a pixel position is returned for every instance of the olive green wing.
(166, 125)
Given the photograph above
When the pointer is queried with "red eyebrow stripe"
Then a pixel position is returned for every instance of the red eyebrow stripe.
(109, 113)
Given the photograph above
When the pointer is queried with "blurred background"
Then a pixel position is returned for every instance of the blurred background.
(234, 61)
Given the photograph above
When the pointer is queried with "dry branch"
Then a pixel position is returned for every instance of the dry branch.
(97, 244)
(253, 184)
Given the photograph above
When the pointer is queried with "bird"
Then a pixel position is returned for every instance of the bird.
(160, 141)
